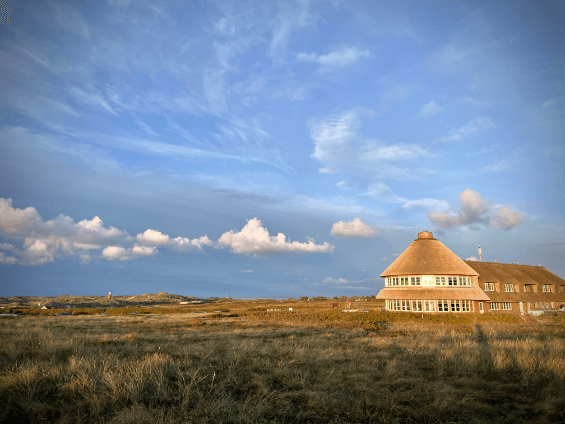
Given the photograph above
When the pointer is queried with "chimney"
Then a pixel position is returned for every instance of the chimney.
(517, 263)
(495, 261)
(109, 295)
(425, 235)
(539, 264)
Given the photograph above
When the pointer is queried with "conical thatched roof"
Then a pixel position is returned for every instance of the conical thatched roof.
(428, 256)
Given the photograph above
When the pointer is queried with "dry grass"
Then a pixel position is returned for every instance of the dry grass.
(279, 368)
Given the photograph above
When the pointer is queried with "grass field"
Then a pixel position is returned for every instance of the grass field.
(309, 366)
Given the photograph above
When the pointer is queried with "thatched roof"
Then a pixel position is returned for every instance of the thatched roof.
(428, 256)
(493, 272)
(433, 293)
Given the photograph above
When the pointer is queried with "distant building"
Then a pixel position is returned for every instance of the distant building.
(347, 304)
(429, 277)
(519, 288)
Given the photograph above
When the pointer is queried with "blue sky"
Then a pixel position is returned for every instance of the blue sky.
(274, 149)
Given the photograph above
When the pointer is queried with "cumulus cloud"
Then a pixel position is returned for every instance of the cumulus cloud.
(336, 60)
(44, 241)
(504, 218)
(180, 244)
(335, 280)
(430, 109)
(122, 254)
(474, 209)
(253, 238)
(477, 124)
(354, 228)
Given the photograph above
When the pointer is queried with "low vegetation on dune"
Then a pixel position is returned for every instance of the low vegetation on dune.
(320, 366)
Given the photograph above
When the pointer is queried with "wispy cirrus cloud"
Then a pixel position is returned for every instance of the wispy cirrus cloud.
(476, 125)
(336, 60)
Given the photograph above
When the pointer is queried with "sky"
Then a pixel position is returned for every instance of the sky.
(258, 149)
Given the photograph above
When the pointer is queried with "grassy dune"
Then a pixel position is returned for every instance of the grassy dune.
(269, 367)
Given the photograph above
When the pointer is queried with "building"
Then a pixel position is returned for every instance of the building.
(428, 277)
(519, 288)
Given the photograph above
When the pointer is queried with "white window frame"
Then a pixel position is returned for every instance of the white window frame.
(506, 306)
(509, 288)
(455, 306)
(405, 305)
(546, 288)
(465, 306)
(488, 286)
(417, 306)
(395, 305)
(443, 305)
(440, 281)
(429, 305)
(494, 306)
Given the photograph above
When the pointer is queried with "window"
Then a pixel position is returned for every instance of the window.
(552, 305)
(506, 306)
(396, 305)
(529, 288)
(455, 307)
(416, 306)
(489, 286)
(440, 281)
(509, 288)
(429, 305)
(465, 306)
(452, 281)
(442, 306)
(547, 288)
(562, 288)
(415, 281)
(494, 306)
(405, 305)
(481, 307)
(463, 281)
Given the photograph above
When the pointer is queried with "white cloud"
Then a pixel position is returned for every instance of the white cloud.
(504, 218)
(253, 238)
(336, 60)
(69, 17)
(122, 254)
(289, 19)
(43, 241)
(430, 109)
(340, 147)
(384, 193)
(93, 99)
(331, 280)
(354, 228)
(477, 124)
(395, 94)
(474, 210)
(153, 238)
(115, 252)
(434, 204)
(180, 244)
(473, 207)
(7, 260)
(471, 258)
(247, 271)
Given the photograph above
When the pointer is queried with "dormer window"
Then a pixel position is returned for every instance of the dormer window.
(509, 288)
(547, 288)
(440, 281)
(488, 286)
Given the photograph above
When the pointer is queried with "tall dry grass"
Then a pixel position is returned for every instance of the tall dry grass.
(175, 368)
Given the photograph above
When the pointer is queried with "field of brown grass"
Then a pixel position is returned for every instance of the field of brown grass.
(311, 365)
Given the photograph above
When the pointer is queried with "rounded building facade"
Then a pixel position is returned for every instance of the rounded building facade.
(428, 277)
